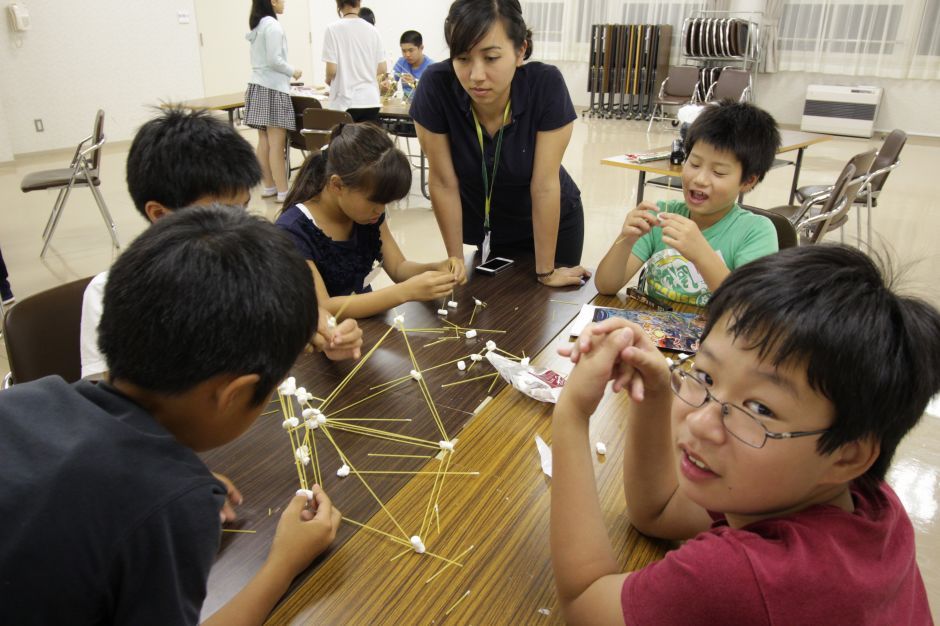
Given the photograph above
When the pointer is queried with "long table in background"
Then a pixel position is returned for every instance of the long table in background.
(503, 513)
(790, 140)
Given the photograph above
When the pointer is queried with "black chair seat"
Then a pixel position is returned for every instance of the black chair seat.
(786, 233)
(789, 211)
(47, 179)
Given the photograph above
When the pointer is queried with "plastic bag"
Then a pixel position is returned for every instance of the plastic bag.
(538, 383)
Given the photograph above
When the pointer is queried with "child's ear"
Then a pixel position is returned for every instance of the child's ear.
(236, 393)
(155, 210)
(853, 459)
(335, 183)
(749, 184)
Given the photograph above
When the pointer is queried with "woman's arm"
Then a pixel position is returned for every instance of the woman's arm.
(445, 194)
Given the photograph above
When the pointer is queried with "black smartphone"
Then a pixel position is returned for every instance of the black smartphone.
(494, 266)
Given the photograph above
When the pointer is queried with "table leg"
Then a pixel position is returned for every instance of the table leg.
(796, 174)
(231, 117)
(640, 185)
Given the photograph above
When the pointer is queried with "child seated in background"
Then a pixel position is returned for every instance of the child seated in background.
(687, 247)
(767, 451)
(413, 61)
(181, 159)
(335, 211)
(101, 487)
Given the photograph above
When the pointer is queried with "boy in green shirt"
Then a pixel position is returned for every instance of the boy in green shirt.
(686, 248)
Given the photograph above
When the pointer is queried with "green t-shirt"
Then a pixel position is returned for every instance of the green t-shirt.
(739, 237)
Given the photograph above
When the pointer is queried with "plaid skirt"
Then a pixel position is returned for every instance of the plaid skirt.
(266, 107)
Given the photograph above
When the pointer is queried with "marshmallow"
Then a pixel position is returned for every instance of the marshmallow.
(416, 374)
(446, 445)
(417, 544)
(288, 387)
(461, 365)
(491, 345)
(600, 447)
(303, 455)
(477, 302)
(311, 424)
(442, 312)
(524, 362)
(321, 418)
(343, 471)
(669, 362)
(308, 413)
(331, 323)
(452, 304)
(291, 422)
(303, 395)
(470, 334)
(683, 357)
(399, 319)
(305, 492)
(476, 357)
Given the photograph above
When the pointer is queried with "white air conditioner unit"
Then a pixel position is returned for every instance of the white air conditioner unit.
(841, 110)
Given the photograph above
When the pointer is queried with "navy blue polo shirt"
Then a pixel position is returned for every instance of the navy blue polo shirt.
(540, 102)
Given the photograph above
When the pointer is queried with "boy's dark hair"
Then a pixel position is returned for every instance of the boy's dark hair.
(367, 14)
(260, 9)
(352, 4)
(413, 37)
(747, 131)
(364, 157)
(874, 354)
(179, 157)
(468, 21)
(202, 292)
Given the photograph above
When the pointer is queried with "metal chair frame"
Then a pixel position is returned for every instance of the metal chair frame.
(659, 105)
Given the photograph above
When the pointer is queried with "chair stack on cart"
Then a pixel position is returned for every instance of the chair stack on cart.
(628, 61)
(720, 41)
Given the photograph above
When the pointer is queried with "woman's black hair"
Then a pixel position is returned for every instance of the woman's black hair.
(468, 21)
(364, 158)
(260, 9)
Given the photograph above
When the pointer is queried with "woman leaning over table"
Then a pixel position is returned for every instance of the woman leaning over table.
(485, 102)
(267, 101)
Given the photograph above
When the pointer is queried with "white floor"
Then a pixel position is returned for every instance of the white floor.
(905, 225)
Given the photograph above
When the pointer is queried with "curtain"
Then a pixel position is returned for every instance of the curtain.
(769, 61)
(885, 38)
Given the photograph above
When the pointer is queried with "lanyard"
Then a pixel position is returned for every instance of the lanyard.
(489, 184)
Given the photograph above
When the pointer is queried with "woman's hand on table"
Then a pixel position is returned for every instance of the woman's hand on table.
(565, 277)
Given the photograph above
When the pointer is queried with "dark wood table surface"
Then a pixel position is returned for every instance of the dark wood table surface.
(261, 462)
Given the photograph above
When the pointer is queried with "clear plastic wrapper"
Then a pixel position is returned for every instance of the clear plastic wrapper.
(538, 383)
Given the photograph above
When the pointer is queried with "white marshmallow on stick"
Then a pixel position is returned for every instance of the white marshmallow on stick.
(600, 447)
(470, 334)
(307, 493)
(416, 374)
(461, 365)
(442, 312)
(452, 304)
(491, 345)
(417, 544)
(343, 471)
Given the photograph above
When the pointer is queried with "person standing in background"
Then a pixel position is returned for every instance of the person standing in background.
(355, 63)
(367, 14)
(267, 101)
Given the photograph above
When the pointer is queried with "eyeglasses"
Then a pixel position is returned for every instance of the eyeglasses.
(740, 423)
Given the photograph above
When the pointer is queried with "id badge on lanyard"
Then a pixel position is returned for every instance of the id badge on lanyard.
(489, 182)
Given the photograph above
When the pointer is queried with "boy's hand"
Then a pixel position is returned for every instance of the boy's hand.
(430, 285)
(303, 532)
(638, 222)
(233, 498)
(685, 236)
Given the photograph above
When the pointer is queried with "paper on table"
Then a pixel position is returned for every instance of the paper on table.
(585, 317)
(545, 452)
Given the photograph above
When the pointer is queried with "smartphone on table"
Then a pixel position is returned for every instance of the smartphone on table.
(494, 266)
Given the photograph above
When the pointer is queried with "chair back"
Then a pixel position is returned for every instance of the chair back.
(42, 333)
(97, 136)
(681, 81)
(887, 156)
(733, 84)
(319, 123)
(301, 104)
(812, 229)
(786, 234)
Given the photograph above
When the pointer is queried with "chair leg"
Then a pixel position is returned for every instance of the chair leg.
(52, 214)
(106, 216)
(55, 217)
(657, 107)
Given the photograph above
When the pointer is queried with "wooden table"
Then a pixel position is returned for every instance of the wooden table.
(790, 140)
(228, 103)
(473, 510)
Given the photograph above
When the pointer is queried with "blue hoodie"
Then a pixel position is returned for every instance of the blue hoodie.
(269, 66)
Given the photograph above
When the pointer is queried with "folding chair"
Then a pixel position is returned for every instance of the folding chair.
(786, 233)
(733, 84)
(42, 332)
(294, 137)
(678, 88)
(83, 171)
(319, 123)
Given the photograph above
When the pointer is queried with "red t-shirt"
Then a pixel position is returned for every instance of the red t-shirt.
(822, 565)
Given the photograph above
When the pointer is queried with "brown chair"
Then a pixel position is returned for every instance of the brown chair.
(83, 171)
(294, 137)
(42, 334)
(786, 233)
(732, 84)
(886, 160)
(678, 88)
(319, 123)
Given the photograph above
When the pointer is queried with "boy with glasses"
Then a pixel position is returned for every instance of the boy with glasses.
(767, 451)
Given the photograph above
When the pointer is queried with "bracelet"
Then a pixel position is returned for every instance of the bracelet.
(545, 274)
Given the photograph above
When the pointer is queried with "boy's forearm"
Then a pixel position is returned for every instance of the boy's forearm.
(254, 602)
(649, 473)
(580, 547)
(610, 276)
